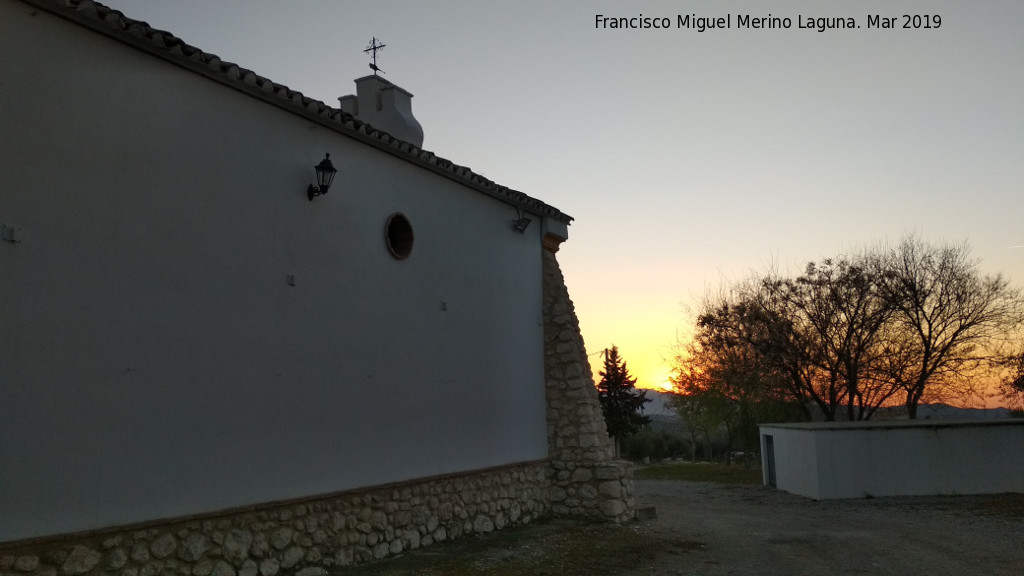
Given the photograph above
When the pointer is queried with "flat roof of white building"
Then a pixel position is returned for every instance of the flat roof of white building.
(880, 424)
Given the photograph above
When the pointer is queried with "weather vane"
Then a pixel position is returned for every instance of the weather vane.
(373, 47)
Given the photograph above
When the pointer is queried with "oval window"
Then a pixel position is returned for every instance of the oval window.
(399, 236)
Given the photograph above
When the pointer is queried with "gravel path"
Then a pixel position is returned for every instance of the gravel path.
(735, 529)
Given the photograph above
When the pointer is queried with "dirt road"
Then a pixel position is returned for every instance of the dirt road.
(735, 529)
(752, 530)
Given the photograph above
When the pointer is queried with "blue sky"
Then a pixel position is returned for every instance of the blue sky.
(686, 158)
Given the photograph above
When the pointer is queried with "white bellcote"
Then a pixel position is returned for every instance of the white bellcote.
(384, 106)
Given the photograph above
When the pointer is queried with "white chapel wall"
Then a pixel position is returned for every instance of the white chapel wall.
(154, 362)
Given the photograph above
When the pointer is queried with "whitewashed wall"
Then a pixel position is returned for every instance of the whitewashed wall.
(858, 459)
(153, 360)
(796, 460)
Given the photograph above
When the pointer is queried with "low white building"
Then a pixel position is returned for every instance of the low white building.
(186, 337)
(823, 460)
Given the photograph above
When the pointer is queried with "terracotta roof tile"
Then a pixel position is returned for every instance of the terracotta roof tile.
(168, 46)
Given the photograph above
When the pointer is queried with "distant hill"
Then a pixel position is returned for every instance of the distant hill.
(658, 405)
(944, 412)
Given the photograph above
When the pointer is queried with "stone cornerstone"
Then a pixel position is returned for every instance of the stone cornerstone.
(309, 536)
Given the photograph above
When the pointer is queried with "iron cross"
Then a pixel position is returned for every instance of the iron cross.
(373, 47)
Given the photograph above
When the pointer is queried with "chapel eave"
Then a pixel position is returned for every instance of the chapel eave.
(169, 47)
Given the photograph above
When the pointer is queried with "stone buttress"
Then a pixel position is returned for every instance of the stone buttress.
(586, 479)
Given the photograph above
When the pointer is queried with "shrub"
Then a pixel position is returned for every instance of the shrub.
(656, 445)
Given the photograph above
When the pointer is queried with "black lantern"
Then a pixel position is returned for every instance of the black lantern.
(325, 172)
(521, 223)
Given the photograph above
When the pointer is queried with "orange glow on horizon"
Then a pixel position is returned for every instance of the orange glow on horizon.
(658, 379)
(646, 329)
(651, 373)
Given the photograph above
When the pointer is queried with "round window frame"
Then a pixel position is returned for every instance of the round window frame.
(399, 236)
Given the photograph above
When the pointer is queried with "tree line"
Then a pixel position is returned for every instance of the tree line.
(850, 334)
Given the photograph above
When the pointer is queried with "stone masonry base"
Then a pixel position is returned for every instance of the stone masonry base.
(305, 537)
(583, 488)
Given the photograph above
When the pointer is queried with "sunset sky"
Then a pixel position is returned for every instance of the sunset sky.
(686, 158)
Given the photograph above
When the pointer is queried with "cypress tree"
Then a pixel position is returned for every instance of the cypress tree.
(621, 402)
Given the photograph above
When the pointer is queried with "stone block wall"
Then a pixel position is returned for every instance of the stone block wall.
(586, 480)
(602, 489)
(303, 538)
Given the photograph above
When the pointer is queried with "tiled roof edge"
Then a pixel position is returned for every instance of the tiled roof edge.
(165, 45)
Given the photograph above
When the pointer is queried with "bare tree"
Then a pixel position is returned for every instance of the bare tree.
(950, 321)
(691, 412)
(723, 382)
(780, 320)
(840, 309)
(714, 395)
(857, 332)
(737, 326)
(1012, 382)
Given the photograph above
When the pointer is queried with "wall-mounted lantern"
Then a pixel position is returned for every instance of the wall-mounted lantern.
(325, 172)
